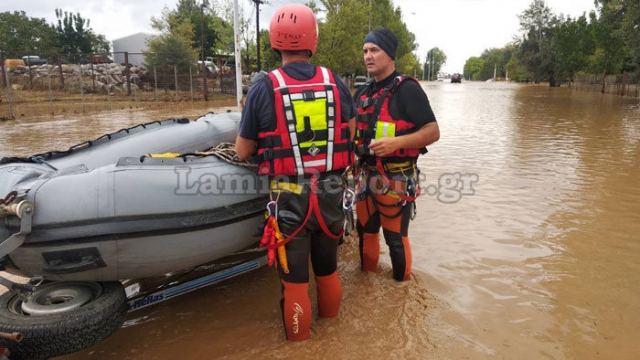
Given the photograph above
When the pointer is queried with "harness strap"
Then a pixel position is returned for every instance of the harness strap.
(314, 207)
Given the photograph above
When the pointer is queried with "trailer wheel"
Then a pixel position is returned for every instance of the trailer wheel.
(61, 317)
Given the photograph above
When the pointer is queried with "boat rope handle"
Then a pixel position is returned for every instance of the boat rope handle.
(9, 198)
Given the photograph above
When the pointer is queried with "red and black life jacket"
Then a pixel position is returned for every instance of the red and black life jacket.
(310, 135)
(374, 121)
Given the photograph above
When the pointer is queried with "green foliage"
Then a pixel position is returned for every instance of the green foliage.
(75, 36)
(345, 26)
(472, 68)
(189, 20)
(554, 48)
(574, 43)
(270, 59)
(72, 36)
(22, 35)
(436, 58)
(170, 49)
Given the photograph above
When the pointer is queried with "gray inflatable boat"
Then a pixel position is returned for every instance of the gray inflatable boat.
(102, 211)
(81, 222)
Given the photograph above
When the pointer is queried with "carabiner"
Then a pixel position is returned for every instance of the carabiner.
(274, 204)
(347, 198)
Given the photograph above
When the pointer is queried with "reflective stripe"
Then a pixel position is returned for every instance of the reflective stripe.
(330, 96)
(314, 163)
(331, 111)
(296, 152)
(385, 129)
(280, 79)
(303, 85)
(325, 74)
(289, 115)
(286, 100)
(330, 149)
(317, 94)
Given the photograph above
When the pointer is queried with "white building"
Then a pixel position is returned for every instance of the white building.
(135, 45)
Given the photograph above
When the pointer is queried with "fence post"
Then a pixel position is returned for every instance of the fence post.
(191, 83)
(9, 97)
(93, 75)
(175, 75)
(127, 73)
(50, 93)
(61, 74)
(30, 74)
(2, 81)
(205, 87)
(155, 81)
(81, 87)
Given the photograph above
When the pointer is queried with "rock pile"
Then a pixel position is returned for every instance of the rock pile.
(108, 78)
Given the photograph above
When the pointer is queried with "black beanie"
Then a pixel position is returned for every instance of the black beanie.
(385, 39)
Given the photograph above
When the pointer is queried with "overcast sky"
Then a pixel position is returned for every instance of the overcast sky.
(462, 28)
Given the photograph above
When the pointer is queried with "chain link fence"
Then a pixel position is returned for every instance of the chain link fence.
(623, 85)
(98, 79)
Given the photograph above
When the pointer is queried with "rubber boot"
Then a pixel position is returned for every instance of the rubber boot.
(400, 252)
(296, 310)
(329, 295)
(370, 251)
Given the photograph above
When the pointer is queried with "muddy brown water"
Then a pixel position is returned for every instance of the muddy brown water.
(538, 257)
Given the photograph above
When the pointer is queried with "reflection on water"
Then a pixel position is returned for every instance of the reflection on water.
(541, 262)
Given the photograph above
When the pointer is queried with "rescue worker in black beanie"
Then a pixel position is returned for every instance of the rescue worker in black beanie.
(395, 123)
(297, 120)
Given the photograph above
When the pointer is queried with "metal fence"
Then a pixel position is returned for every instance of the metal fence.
(623, 85)
(95, 78)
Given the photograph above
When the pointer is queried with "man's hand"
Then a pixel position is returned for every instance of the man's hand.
(385, 146)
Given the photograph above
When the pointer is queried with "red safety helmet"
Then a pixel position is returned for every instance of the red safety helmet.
(294, 27)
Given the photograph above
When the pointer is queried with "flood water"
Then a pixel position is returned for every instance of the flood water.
(538, 259)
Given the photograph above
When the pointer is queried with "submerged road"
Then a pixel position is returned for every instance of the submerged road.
(526, 244)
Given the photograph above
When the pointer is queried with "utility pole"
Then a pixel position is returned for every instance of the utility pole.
(236, 41)
(430, 61)
(259, 64)
(205, 88)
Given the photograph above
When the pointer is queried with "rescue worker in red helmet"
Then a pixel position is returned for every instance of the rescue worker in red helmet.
(395, 123)
(298, 121)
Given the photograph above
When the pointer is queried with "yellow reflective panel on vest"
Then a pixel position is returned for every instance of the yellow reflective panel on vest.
(385, 129)
(316, 112)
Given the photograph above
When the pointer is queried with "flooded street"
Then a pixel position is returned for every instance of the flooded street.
(540, 260)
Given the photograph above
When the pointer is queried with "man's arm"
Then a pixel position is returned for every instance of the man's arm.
(245, 148)
(426, 135)
(256, 115)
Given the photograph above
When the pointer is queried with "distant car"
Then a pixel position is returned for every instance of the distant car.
(359, 81)
(33, 60)
(456, 78)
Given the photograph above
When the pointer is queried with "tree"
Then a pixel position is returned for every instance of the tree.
(189, 14)
(346, 22)
(574, 44)
(472, 68)
(434, 62)
(75, 36)
(611, 51)
(22, 35)
(169, 50)
(270, 59)
(536, 48)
